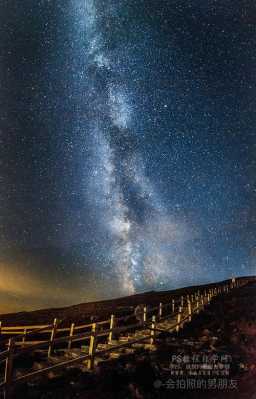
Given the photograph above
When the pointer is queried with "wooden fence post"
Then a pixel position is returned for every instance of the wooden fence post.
(145, 314)
(197, 305)
(51, 344)
(111, 327)
(173, 305)
(160, 311)
(178, 319)
(189, 310)
(153, 330)
(92, 347)
(182, 301)
(9, 368)
(24, 337)
(71, 333)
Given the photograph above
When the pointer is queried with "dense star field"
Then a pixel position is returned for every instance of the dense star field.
(128, 145)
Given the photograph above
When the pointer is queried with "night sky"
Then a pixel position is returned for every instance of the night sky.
(127, 133)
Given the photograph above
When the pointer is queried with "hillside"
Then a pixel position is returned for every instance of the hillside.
(83, 311)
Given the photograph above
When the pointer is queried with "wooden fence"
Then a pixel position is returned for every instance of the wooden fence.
(26, 339)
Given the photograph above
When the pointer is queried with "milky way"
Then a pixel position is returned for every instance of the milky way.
(127, 146)
(127, 203)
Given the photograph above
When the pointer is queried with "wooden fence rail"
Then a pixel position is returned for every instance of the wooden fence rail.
(180, 310)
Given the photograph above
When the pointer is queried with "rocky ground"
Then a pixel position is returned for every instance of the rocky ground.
(213, 356)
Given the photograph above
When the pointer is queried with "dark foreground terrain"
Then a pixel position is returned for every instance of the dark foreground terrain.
(214, 356)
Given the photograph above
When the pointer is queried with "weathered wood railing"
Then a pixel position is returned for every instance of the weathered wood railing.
(181, 310)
